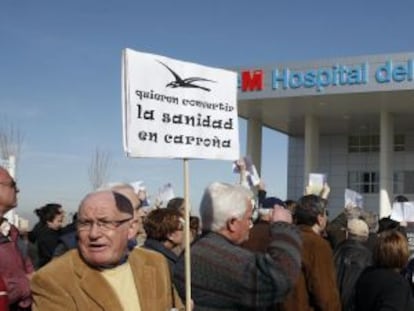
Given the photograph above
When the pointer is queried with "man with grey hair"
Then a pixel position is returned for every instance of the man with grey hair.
(228, 277)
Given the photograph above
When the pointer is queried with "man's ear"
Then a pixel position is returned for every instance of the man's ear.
(319, 219)
(132, 229)
(231, 224)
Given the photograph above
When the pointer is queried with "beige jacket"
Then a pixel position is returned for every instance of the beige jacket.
(68, 284)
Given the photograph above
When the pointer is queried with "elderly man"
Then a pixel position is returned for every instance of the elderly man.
(15, 268)
(351, 257)
(103, 274)
(226, 276)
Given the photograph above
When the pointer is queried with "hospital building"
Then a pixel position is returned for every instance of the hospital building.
(349, 118)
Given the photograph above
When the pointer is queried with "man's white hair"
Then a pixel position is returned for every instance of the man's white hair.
(222, 202)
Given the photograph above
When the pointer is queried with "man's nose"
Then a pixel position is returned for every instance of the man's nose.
(94, 231)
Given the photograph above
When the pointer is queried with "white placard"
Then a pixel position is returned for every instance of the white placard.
(138, 186)
(252, 175)
(165, 194)
(316, 182)
(402, 211)
(176, 109)
(353, 199)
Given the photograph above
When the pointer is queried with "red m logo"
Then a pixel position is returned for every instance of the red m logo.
(252, 80)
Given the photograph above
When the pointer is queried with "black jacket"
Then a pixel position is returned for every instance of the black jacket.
(351, 258)
(382, 289)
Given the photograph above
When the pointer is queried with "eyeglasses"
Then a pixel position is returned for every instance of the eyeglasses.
(105, 225)
(12, 184)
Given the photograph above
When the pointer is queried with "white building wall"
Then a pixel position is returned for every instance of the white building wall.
(336, 162)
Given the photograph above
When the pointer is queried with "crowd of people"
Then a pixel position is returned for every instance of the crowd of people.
(249, 251)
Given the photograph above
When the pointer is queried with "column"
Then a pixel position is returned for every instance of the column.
(311, 154)
(385, 163)
(254, 143)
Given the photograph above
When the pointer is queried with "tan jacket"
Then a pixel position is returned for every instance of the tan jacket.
(316, 287)
(68, 284)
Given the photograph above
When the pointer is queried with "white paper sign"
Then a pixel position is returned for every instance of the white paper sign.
(316, 182)
(402, 211)
(165, 193)
(353, 198)
(176, 109)
(252, 175)
(138, 186)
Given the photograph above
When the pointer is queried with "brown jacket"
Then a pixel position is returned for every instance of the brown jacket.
(68, 284)
(316, 288)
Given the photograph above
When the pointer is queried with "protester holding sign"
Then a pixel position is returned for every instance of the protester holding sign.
(228, 277)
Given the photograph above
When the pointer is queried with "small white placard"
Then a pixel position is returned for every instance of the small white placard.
(316, 182)
(403, 211)
(353, 198)
(251, 172)
(165, 193)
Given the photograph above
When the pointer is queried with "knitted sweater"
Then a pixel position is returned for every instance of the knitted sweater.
(228, 277)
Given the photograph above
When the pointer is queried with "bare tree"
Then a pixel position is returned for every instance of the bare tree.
(11, 140)
(99, 168)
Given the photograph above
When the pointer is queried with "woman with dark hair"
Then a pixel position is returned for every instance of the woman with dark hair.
(164, 228)
(47, 231)
(381, 286)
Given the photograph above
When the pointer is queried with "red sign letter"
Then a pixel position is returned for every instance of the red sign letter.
(252, 80)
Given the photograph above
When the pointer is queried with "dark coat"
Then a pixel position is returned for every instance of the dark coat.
(160, 248)
(228, 277)
(382, 289)
(351, 258)
(47, 240)
(259, 237)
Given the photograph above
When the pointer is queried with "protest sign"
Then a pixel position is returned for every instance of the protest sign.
(176, 109)
(165, 194)
(410, 237)
(252, 175)
(353, 199)
(403, 211)
(315, 183)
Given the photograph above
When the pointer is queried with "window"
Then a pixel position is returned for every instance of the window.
(363, 182)
(404, 182)
(371, 143)
(399, 143)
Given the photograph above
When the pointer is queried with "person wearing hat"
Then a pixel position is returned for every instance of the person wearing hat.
(260, 236)
(316, 287)
(351, 258)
